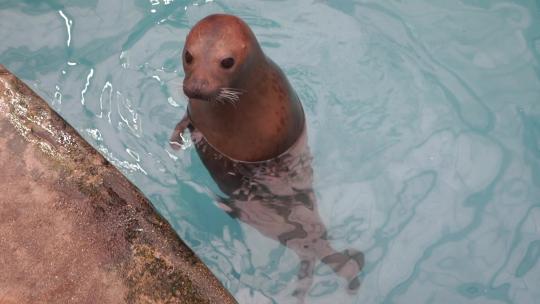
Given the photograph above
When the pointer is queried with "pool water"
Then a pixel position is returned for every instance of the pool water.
(423, 121)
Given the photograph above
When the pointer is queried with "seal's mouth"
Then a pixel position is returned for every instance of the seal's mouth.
(198, 96)
(223, 96)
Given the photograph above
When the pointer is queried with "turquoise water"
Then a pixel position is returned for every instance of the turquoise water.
(424, 125)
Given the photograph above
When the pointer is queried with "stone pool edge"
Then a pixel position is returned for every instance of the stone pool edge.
(74, 229)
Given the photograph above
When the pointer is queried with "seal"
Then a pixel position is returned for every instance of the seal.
(238, 98)
(249, 130)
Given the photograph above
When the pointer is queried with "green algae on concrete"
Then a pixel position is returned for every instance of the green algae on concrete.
(73, 229)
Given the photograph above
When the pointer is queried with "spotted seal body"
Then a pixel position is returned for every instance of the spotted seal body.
(249, 130)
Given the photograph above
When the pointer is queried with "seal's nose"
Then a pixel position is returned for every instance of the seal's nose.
(195, 87)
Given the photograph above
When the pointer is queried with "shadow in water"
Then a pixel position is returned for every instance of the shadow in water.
(276, 197)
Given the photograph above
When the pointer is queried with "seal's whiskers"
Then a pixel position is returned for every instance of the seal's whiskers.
(230, 95)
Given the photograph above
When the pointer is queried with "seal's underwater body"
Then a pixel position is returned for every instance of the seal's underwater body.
(249, 129)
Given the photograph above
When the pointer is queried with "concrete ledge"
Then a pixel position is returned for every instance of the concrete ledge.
(73, 229)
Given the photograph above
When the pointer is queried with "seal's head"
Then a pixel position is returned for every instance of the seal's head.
(219, 54)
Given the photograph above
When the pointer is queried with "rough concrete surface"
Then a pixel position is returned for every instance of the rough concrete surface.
(73, 229)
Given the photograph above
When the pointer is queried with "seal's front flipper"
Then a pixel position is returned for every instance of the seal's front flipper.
(177, 139)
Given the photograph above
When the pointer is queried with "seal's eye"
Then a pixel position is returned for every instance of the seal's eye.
(227, 63)
(188, 57)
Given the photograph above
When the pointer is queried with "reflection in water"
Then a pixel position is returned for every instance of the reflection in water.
(276, 197)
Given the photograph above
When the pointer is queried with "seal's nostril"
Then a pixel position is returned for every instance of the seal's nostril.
(193, 92)
(199, 82)
(195, 86)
